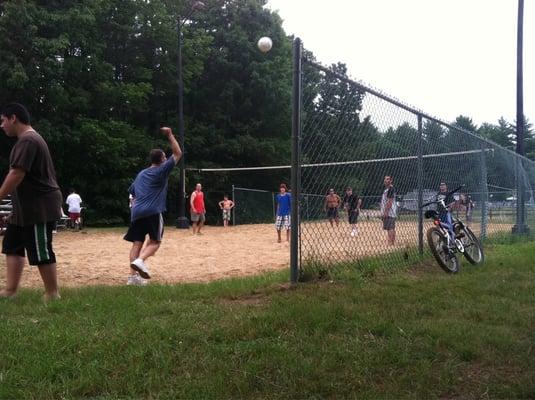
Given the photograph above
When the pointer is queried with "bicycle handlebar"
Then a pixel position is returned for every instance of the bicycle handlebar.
(447, 194)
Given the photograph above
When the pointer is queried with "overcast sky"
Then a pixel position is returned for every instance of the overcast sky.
(446, 57)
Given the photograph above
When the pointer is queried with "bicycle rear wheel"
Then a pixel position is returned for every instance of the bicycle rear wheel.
(473, 251)
(446, 258)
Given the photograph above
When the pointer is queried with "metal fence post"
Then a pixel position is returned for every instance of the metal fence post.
(295, 178)
(484, 192)
(233, 208)
(520, 226)
(420, 188)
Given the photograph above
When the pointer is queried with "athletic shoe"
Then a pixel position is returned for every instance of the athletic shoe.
(141, 267)
(353, 232)
(136, 280)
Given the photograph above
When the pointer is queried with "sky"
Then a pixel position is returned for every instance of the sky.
(445, 57)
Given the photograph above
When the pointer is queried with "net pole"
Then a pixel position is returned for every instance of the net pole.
(420, 187)
(296, 134)
(484, 193)
(273, 204)
(233, 208)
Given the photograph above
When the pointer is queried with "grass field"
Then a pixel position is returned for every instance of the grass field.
(408, 333)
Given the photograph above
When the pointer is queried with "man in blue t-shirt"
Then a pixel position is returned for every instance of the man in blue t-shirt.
(284, 209)
(149, 193)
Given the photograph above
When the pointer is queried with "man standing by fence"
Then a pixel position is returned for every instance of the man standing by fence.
(389, 210)
(36, 200)
(352, 203)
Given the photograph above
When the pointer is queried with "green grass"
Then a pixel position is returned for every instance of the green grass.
(411, 333)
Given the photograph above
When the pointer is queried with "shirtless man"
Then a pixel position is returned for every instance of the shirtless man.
(226, 205)
(331, 206)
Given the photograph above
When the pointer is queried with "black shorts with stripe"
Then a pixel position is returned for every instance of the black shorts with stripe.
(35, 240)
(151, 225)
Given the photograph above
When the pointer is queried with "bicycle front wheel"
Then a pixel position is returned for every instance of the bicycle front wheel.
(473, 251)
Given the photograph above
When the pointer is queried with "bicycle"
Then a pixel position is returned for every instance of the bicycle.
(449, 236)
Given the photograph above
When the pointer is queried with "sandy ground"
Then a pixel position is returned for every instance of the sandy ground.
(100, 257)
(333, 244)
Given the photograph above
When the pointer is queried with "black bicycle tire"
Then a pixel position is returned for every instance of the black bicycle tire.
(476, 242)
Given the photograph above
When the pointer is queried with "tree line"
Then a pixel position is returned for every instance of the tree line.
(100, 77)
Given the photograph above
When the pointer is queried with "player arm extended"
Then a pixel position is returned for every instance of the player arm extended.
(175, 147)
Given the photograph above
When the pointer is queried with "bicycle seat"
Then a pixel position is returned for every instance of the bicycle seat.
(431, 214)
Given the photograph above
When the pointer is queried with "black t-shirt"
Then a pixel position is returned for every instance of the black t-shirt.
(352, 201)
(38, 198)
(447, 197)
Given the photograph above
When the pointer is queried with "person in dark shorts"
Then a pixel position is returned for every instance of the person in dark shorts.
(36, 200)
(331, 206)
(149, 192)
(389, 210)
(352, 204)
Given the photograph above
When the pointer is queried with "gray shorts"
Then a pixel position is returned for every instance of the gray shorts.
(389, 223)
(197, 217)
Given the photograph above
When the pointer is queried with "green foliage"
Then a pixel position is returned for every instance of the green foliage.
(100, 77)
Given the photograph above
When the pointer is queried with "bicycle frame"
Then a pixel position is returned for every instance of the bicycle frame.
(447, 222)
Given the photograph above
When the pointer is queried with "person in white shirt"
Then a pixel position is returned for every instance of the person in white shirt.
(74, 202)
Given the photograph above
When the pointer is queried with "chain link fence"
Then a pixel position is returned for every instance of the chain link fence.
(367, 162)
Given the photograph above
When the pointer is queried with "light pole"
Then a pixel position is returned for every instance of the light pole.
(520, 226)
(182, 221)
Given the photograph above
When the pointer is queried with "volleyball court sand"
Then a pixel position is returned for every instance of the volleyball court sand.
(334, 244)
(100, 257)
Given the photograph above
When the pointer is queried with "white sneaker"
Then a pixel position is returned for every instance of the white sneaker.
(353, 232)
(136, 280)
(141, 267)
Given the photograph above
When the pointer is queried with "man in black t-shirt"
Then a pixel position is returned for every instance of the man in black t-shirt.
(37, 199)
(352, 204)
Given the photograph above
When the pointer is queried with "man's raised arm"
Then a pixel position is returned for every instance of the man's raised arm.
(175, 147)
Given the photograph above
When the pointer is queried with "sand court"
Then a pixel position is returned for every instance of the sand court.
(100, 256)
